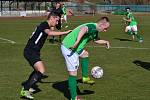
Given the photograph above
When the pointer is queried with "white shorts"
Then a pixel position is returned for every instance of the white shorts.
(132, 28)
(71, 58)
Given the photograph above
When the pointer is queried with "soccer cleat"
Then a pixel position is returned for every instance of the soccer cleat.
(141, 41)
(26, 94)
(87, 80)
(31, 90)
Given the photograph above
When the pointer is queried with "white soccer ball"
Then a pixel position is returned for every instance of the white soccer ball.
(97, 72)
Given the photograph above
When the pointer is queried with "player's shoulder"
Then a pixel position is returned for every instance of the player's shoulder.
(43, 25)
(90, 25)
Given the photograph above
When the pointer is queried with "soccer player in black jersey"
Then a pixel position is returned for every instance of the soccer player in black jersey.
(32, 52)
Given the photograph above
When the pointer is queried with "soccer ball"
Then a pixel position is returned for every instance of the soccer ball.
(97, 72)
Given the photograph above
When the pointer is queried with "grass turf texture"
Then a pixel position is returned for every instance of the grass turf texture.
(122, 80)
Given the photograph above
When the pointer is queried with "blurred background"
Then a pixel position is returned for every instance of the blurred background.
(74, 7)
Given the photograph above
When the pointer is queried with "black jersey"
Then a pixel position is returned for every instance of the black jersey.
(38, 37)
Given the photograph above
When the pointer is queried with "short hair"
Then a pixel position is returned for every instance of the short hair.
(128, 8)
(103, 19)
(52, 14)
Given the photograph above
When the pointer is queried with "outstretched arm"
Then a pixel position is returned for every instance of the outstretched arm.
(106, 43)
(49, 32)
(83, 30)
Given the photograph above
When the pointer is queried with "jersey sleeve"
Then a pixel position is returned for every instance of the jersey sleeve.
(92, 32)
(43, 26)
(96, 37)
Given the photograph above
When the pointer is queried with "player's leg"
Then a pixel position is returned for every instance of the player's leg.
(34, 77)
(72, 63)
(65, 18)
(34, 59)
(135, 32)
(85, 64)
(128, 30)
(66, 22)
(58, 26)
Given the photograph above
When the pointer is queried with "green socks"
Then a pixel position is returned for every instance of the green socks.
(72, 86)
(130, 33)
(84, 65)
(139, 37)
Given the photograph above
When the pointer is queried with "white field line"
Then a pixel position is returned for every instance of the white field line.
(134, 48)
(9, 41)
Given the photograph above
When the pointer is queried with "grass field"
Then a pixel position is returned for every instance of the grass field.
(126, 65)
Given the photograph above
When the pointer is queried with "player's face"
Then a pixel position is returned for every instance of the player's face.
(103, 27)
(54, 20)
(58, 5)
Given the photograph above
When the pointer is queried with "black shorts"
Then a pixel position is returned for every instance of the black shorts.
(31, 56)
(58, 26)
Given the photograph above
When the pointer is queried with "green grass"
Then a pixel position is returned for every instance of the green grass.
(122, 80)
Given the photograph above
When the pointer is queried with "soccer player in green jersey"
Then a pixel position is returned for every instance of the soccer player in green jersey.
(131, 29)
(64, 9)
(73, 48)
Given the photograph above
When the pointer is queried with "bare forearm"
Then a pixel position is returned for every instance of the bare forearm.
(56, 33)
(106, 43)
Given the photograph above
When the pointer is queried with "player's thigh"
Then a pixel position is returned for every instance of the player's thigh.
(128, 28)
(65, 17)
(134, 28)
(71, 58)
(33, 57)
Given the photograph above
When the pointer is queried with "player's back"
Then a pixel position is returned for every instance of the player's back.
(37, 40)
(70, 39)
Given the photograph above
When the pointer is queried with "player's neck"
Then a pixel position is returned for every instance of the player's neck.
(97, 28)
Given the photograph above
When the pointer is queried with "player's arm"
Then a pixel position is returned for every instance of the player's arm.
(83, 30)
(106, 43)
(127, 20)
(49, 32)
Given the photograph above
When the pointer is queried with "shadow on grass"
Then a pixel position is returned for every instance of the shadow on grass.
(62, 86)
(122, 39)
(145, 65)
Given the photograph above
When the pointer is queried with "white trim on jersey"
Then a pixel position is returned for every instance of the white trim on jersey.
(38, 38)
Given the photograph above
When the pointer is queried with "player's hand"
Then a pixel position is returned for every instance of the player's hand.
(68, 31)
(71, 48)
(107, 45)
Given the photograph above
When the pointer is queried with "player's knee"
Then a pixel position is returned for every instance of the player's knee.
(73, 73)
(39, 67)
(84, 54)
